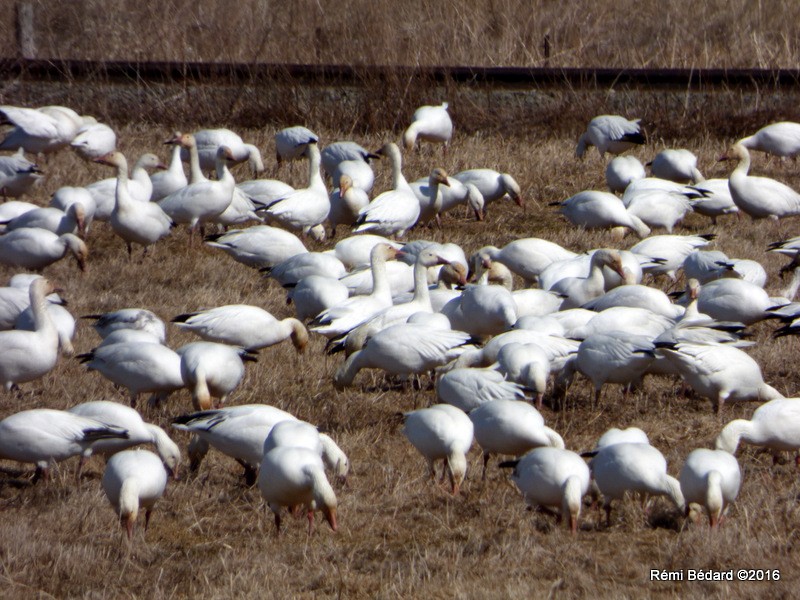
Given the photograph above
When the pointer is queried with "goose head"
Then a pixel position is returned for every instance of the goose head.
(439, 175)
(112, 159)
(151, 161)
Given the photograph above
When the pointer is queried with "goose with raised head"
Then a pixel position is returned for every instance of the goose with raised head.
(774, 425)
(429, 124)
(468, 388)
(212, 370)
(346, 202)
(259, 246)
(209, 141)
(142, 223)
(492, 185)
(393, 211)
(134, 479)
(610, 133)
(622, 171)
(710, 478)
(39, 130)
(295, 476)
(633, 467)
(94, 140)
(676, 165)
(140, 187)
(44, 436)
(139, 432)
(244, 326)
(781, 139)
(303, 209)
(601, 210)
(29, 355)
(129, 318)
(759, 197)
(718, 372)
(441, 432)
(554, 479)
(291, 142)
(62, 319)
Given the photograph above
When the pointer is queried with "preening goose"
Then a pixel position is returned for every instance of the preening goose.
(492, 185)
(29, 355)
(601, 210)
(774, 425)
(430, 124)
(610, 133)
(581, 266)
(622, 171)
(291, 142)
(553, 478)
(140, 187)
(468, 388)
(759, 197)
(94, 140)
(441, 432)
(66, 196)
(142, 223)
(134, 479)
(710, 478)
(510, 427)
(678, 165)
(633, 467)
(39, 130)
(43, 436)
(211, 370)
(139, 432)
(258, 247)
(244, 326)
(295, 476)
(166, 181)
(18, 175)
(209, 142)
(129, 318)
(781, 139)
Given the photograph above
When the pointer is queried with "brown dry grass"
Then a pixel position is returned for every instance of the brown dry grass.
(400, 535)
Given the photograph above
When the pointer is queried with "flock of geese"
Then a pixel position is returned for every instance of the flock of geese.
(403, 308)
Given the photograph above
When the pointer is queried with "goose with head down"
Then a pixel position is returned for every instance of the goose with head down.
(601, 210)
(610, 133)
(430, 124)
(710, 478)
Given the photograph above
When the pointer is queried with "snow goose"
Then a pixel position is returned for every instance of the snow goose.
(510, 427)
(552, 478)
(467, 388)
(139, 432)
(338, 152)
(635, 320)
(707, 265)
(142, 223)
(759, 197)
(258, 247)
(129, 318)
(52, 219)
(781, 139)
(557, 348)
(637, 296)
(43, 436)
(593, 210)
(166, 181)
(343, 317)
(429, 124)
(620, 436)
(14, 208)
(305, 435)
(29, 355)
(34, 248)
(94, 140)
(39, 130)
(209, 141)
(62, 319)
(610, 133)
(719, 372)
(527, 257)
(734, 300)
(13, 300)
(656, 207)
(18, 175)
(482, 310)
(404, 349)
(354, 251)
(676, 165)
(66, 196)
(236, 431)
(430, 197)
(441, 432)
(265, 191)
(393, 211)
(710, 478)
(201, 201)
(140, 187)
(138, 367)
(134, 479)
(295, 476)
(577, 291)
(621, 171)
(291, 142)
(669, 251)
(346, 202)
(774, 425)
(527, 365)
(580, 267)
(303, 209)
(314, 294)
(289, 272)
(212, 370)
(243, 325)
(359, 171)
(716, 199)
(492, 184)
(633, 467)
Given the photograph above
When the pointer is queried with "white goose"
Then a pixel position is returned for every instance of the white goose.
(18, 175)
(29, 355)
(140, 187)
(633, 467)
(492, 185)
(166, 181)
(346, 202)
(62, 319)
(527, 257)
(759, 197)
(637, 296)
(657, 207)
(610, 133)
(510, 427)
(41, 130)
(209, 142)
(265, 191)
(301, 434)
(781, 139)
(676, 165)
(669, 251)
(527, 365)
(338, 152)
(615, 435)
(292, 476)
(142, 223)
(359, 171)
(553, 478)
(291, 142)
(244, 326)
(734, 300)
(139, 432)
(291, 271)
(774, 425)
(430, 124)
(134, 479)
(315, 294)
(441, 432)
(259, 246)
(94, 140)
(622, 171)
(601, 210)
(710, 478)
(43, 436)
(52, 219)
(580, 290)
(354, 251)
(580, 267)
(430, 196)
(468, 388)
(66, 196)
(211, 370)
(716, 199)
(394, 211)
(718, 372)
(129, 318)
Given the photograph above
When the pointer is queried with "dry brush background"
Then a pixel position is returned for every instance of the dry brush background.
(400, 535)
